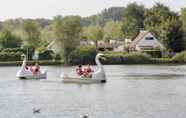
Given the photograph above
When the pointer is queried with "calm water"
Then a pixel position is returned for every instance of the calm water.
(131, 92)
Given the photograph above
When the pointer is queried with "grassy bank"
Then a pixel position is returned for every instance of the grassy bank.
(113, 61)
(111, 58)
(18, 63)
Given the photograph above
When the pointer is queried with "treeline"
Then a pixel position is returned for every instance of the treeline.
(116, 23)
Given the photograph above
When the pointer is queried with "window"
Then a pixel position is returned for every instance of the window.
(149, 38)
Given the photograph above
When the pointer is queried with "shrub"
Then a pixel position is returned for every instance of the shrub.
(136, 58)
(57, 57)
(153, 53)
(131, 58)
(83, 55)
(46, 55)
(113, 53)
(13, 50)
(11, 56)
(180, 57)
(161, 61)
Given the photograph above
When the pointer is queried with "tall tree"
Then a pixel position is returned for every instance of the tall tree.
(155, 16)
(171, 34)
(67, 31)
(183, 19)
(9, 40)
(113, 30)
(32, 34)
(93, 33)
(133, 19)
(166, 25)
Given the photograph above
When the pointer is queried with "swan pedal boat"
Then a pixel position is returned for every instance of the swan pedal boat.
(24, 73)
(97, 77)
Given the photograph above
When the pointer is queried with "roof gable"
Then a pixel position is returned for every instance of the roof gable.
(139, 37)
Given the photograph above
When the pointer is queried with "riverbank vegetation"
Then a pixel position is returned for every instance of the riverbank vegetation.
(18, 36)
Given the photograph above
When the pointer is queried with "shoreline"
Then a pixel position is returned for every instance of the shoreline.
(18, 63)
(58, 63)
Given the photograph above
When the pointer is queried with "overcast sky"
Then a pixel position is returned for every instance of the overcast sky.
(50, 8)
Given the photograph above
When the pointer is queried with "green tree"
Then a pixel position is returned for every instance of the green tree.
(171, 34)
(31, 34)
(93, 33)
(183, 18)
(8, 40)
(67, 31)
(133, 19)
(155, 16)
(113, 30)
(166, 25)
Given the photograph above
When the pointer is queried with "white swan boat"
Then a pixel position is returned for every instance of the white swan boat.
(97, 77)
(26, 73)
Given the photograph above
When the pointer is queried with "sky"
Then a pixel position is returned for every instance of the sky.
(49, 8)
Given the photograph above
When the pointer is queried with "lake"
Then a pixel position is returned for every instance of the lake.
(132, 91)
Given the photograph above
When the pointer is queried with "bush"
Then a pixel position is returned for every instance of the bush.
(46, 55)
(161, 61)
(153, 53)
(136, 58)
(131, 58)
(113, 53)
(11, 56)
(57, 57)
(180, 57)
(13, 50)
(83, 55)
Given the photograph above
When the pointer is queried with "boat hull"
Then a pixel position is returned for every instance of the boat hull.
(38, 76)
(84, 80)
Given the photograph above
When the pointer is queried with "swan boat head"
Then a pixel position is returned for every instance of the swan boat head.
(100, 73)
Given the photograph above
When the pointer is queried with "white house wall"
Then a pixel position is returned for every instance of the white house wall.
(144, 42)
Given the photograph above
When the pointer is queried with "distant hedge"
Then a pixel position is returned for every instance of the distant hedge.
(180, 57)
(153, 53)
(13, 50)
(131, 58)
(47, 55)
(11, 56)
(83, 55)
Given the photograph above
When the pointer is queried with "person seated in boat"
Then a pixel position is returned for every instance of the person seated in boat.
(87, 72)
(79, 70)
(36, 69)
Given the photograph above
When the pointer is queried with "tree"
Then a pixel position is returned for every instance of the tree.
(113, 13)
(32, 34)
(155, 16)
(67, 32)
(171, 34)
(166, 25)
(93, 33)
(183, 18)
(133, 19)
(8, 40)
(113, 30)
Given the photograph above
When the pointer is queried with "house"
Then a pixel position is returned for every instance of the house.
(86, 42)
(54, 46)
(108, 45)
(145, 41)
